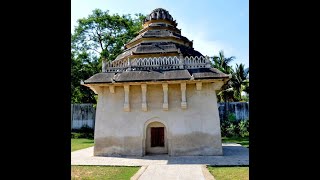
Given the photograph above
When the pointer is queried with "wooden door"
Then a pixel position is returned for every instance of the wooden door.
(157, 137)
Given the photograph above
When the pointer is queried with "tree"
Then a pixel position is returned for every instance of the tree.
(240, 81)
(105, 34)
(82, 67)
(221, 62)
(246, 82)
(99, 36)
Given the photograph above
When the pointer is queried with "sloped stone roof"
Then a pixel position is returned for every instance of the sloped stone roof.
(154, 75)
(159, 48)
(161, 33)
(100, 78)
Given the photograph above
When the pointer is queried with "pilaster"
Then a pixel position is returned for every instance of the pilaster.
(199, 86)
(126, 106)
(183, 95)
(144, 97)
(111, 88)
(165, 105)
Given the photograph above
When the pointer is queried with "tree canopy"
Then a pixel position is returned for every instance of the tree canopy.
(99, 36)
(239, 82)
(222, 63)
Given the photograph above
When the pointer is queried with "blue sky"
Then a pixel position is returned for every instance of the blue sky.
(213, 25)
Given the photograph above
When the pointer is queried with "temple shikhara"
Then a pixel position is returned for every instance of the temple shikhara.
(158, 96)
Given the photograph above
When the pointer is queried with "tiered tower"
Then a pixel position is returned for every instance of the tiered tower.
(158, 96)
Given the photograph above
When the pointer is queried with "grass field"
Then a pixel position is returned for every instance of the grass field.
(230, 173)
(244, 141)
(77, 144)
(102, 172)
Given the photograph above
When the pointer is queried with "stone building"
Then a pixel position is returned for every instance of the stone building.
(158, 96)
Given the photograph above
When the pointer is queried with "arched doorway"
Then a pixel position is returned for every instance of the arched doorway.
(156, 138)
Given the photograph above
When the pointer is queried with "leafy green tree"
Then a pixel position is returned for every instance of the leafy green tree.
(105, 34)
(99, 36)
(82, 67)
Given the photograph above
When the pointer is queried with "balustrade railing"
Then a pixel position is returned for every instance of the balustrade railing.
(156, 63)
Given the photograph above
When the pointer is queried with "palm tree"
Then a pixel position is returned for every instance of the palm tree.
(221, 62)
(240, 81)
(246, 86)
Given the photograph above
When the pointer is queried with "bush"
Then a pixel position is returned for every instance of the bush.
(244, 128)
(83, 132)
(224, 125)
(231, 117)
(86, 129)
(228, 126)
(232, 128)
(75, 135)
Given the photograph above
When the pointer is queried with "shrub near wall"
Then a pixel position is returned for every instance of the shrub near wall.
(83, 132)
(244, 128)
(232, 128)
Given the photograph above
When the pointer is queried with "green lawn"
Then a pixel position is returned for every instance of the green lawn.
(77, 144)
(102, 172)
(244, 141)
(230, 173)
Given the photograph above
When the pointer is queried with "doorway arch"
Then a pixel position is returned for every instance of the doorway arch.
(155, 138)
